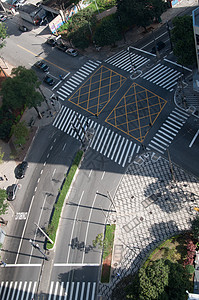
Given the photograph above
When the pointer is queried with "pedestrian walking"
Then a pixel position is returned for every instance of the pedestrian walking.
(2, 263)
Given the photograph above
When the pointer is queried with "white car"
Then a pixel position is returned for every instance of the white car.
(72, 52)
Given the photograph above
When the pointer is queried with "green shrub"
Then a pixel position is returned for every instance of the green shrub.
(54, 223)
(190, 269)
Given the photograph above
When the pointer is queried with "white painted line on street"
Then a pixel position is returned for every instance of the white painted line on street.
(82, 293)
(103, 175)
(51, 290)
(71, 291)
(89, 218)
(35, 188)
(23, 265)
(75, 265)
(48, 155)
(51, 147)
(74, 221)
(54, 140)
(93, 291)
(34, 288)
(88, 290)
(89, 175)
(64, 147)
(143, 51)
(194, 138)
(44, 163)
(66, 290)
(77, 290)
(38, 180)
(41, 172)
(38, 222)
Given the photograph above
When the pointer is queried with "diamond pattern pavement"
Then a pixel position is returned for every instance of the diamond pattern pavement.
(151, 205)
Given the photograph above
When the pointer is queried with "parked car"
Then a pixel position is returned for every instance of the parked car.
(41, 65)
(160, 45)
(51, 42)
(48, 80)
(3, 18)
(12, 191)
(72, 52)
(23, 28)
(61, 47)
(21, 170)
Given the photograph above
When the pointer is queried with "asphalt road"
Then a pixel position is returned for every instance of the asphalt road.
(87, 206)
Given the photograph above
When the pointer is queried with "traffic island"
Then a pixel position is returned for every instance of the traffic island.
(107, 253)
(57, 210)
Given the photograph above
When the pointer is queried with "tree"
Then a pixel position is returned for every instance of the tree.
(20, 132)
(195, 227)
(183, 40)
(153, 280)
(107, 33)
(3, 203)
(20, 90)
(140, 13)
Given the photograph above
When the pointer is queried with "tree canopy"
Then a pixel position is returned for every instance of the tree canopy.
(141, 13)
(183, 40)
(20, 90)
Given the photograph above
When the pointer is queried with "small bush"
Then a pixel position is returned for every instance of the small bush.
(189, 269)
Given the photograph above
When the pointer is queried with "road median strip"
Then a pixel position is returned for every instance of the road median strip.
(56, 213)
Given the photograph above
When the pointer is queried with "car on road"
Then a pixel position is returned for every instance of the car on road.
(21, 170)
(42, 66)
(61, 47)
(160, 45)
(51, 42)
(3, 18)
(12, 191)
(49, 80)
(23, 28)
(72, 52)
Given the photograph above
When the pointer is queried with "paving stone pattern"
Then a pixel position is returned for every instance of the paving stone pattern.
(151, 205)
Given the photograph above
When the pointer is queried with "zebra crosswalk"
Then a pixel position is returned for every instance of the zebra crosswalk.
(159, 74)
(125, 60)
(71, 84)
(18, 290)
(73, 290)
(163, 76)
(23, 290)
(105, 141)
(168, 131)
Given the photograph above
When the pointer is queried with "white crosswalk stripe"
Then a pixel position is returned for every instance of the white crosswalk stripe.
(125, 60)
(72, 83)
(168, 131)
(23, 290)
(105, 141)
(18, 290)
(163, 76)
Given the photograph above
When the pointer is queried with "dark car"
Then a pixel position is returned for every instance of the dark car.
(61, 47)
(48, 80)
(41, 65)
(21, 170)
(12, 191)
(23, 28)
(51, 42)
(160, 45)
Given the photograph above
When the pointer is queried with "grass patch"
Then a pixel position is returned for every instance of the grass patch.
(107, 253)
(54, 223)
